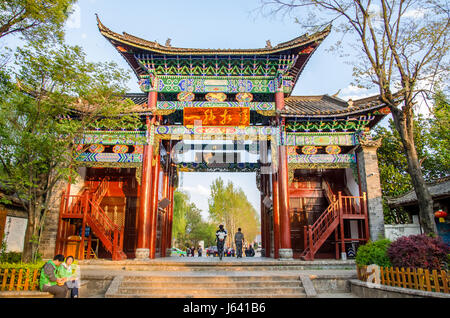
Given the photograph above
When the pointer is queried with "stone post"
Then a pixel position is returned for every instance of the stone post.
(370, 183)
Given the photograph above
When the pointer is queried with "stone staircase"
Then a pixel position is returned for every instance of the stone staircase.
(207, 285)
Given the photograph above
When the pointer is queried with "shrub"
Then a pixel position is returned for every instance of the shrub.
(374, 253)
(10, 257)
(419, 251)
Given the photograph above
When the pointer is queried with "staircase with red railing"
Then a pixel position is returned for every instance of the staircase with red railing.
(86, 206)
(340, 208)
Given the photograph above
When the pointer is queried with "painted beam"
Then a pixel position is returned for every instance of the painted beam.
(321, 139)
(177, 105)
(207, 84)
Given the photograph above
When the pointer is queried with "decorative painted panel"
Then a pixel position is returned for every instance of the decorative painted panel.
(113, 138)
(354, 124)
(262, 132)
(223, 167)
(178, 105)
(322, 158)
(176, 84)
(321, 139)
(109, 157)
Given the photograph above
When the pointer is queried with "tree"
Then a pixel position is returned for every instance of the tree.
(431, 136)
(34, 18)
(401, 49)
(229, 205)
(48, 100)
(188, 226)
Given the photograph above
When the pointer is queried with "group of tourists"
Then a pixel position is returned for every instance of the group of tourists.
(60, 277)
(191, 251)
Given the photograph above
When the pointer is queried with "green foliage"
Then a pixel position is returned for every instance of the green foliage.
(34, 18)
(51, 96)
(374, 253)
(188, 226)
(10, 257)
(432, 141)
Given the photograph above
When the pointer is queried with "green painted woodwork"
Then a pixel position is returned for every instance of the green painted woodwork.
(321, 139)
(207, 84)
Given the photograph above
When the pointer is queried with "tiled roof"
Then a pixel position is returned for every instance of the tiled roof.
(328, 106)
(439, 188)
(162, 49)
(300, 106)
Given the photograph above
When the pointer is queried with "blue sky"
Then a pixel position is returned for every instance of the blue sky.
(206, 24)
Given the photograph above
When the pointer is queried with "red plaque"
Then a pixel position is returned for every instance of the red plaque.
(216, 116)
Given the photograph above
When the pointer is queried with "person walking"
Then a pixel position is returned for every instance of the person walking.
(239, 241)
(221, 236)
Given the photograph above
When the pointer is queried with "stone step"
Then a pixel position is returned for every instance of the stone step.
(211, 291)
(196, 265)
(209, 284)
(244, 296)
(210, 278)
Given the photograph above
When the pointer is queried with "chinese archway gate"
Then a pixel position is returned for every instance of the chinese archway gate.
(316, 169)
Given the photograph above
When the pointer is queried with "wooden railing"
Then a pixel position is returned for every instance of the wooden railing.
(421, 279)
(328, 192)
(341, 207)
(87, 206)
(12, 279)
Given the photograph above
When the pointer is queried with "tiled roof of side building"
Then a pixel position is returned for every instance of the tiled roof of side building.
(300, 106)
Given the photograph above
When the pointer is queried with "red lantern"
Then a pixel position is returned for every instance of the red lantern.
(440, 214)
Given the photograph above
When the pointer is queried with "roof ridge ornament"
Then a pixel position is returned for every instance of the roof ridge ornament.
(350, 103)
(268, 44)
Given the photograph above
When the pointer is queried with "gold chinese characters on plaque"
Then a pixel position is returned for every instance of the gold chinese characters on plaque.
(216, 116)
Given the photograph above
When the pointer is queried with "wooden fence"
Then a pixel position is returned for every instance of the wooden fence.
(421, 279)
(12, 279)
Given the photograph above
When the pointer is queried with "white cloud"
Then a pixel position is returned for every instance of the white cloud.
(74, 20)
(197, 190)
(354, 92)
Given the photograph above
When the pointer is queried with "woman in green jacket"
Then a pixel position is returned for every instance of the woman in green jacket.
(71, 272)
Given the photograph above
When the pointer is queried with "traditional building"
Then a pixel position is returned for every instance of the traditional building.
(316, 165)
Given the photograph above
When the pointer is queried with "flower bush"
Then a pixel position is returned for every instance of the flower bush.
(374, 253)
(419, 251)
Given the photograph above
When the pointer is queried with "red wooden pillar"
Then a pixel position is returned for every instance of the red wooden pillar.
(267, 230)
(152, 99)
(279, 100)
(165, 226)
(143, 230)
(341, 222)
(263, 225)
(276, 222)
(170, 209)
(154, 207)
(285, 225)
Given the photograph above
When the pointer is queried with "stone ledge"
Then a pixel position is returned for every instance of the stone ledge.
(371, 290)
(25, 294)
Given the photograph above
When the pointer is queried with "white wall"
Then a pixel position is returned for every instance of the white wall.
(394, 231)
(15, 233)
(351, 184)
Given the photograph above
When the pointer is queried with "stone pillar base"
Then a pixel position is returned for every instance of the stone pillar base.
(142, 253)
(263, 252)
(286, 253)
